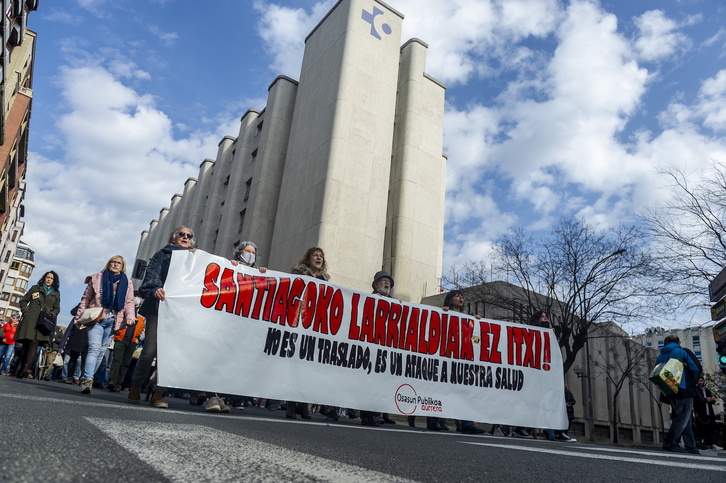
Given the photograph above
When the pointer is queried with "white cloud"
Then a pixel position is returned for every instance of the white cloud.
(658, 36)
(113, 164)
(168, 38)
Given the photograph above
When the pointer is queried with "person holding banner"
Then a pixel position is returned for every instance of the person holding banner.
(312, 264)
(455, 301)
(382, 285)
(152, 291)
(246, 254)
(110, 289)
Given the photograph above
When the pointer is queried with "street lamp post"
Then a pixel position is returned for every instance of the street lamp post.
(590, 411)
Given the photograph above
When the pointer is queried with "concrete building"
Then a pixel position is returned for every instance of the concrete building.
(349, 158)
(699, 339)
(17, 280)
(16, 95)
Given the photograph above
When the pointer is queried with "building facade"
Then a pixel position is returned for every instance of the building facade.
(16, 95)
(17, 280)
(349, 158)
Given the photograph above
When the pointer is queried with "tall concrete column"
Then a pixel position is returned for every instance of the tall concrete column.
(240, 173)
(415, 218)
(207, 238)
(269, 166)
(204, 183)
(173, 216)
(335, 184)
(148, 249)
(185, 207)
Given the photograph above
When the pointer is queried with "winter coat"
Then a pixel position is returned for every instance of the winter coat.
(31, 304)
(303, 269)
(92, 298)
(138, 329)
(155, 277)
(9, 333)
(74, 340)
(692, 368)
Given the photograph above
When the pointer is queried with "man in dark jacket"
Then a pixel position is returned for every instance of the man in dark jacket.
(682, 401)
(705, 417)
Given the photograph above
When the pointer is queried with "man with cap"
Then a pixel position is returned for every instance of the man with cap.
(382, 285)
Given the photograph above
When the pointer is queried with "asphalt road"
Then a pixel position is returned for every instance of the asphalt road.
(51, 432)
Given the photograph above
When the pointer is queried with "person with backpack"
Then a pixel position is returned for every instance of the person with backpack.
(682, 401)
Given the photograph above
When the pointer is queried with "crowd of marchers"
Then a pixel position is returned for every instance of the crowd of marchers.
(111, 344)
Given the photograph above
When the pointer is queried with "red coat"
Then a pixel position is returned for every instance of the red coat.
(9, 330)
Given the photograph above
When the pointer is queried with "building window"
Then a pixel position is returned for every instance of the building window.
(15, 299)
(248, 188)
(696, 341)
(7, 256)
(241, 220)
(15, 235)
(698, 354)
(660, 344)
(5, 296)
(649, 344)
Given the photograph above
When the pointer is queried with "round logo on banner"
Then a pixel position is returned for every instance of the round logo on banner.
(406, 399)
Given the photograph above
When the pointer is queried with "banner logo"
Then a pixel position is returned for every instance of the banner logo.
(406, 399)
(371, 19)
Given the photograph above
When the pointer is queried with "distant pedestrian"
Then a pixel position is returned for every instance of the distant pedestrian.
(682, 401)
(42, 297)
(7, 348)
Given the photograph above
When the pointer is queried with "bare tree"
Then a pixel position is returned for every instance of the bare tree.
(618, 362)
(689, 230)
(578, 275)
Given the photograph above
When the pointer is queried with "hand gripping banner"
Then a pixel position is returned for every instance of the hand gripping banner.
(233, 330)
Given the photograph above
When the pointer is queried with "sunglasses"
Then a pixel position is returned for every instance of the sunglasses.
(188, 236)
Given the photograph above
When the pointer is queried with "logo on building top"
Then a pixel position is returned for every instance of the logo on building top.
(371, 19)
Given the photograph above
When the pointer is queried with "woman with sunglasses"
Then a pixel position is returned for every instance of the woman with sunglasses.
(152, 291)
(111, 290)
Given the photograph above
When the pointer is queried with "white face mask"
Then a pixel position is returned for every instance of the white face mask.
(248, 259)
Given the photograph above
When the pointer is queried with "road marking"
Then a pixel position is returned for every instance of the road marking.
(192, 453)
(651, 453)
(661, 462)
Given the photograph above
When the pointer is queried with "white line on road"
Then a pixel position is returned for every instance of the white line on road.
(652, 453)
(187, 452)
(661, 462)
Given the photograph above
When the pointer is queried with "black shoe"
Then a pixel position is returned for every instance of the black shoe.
(433, 427)
(411, 421)
(369, 421)
(693, 451)
(443, 426)
(389, 421)
(472, 429)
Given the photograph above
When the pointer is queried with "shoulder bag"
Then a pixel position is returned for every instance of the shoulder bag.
(45, 324)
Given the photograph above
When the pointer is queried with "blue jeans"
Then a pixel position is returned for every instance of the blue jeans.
(681, 424)
(7, 350)
(99, 337)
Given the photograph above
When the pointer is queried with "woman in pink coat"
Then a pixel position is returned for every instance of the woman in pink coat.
(110, 289)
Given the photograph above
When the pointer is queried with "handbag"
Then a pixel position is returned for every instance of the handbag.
(45, 324)
(667, 376)
(90, 316)
(58, 361)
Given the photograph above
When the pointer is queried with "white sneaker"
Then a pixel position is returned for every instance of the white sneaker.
(716, 447)
(564, 437)
(213, 405)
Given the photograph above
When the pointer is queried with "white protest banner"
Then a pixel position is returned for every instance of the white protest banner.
(233, 330)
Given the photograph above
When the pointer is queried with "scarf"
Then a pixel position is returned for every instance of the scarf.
(110, 299)
(47, 289)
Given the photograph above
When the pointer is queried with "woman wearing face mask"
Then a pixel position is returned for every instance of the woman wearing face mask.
(44, 296)
(111, 290)
(246, 254)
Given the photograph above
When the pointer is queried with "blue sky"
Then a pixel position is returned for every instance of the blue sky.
(552, 107)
